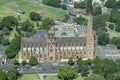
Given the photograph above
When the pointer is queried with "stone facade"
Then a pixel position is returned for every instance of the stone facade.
(50, 45)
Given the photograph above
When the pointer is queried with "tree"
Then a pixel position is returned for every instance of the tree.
(89, 8)
(70, 61)
(102, 0)
(67, 73)
(5, 41)
(15, 61)
(24, 62)
(97, 11)
(5, 31)
(114, 16)
(79, 61)
(104, 67)
(117, 28)
(99, 21)
(81, 5)
(54, 3)
(80, 20)
(110, 4)
(111, 26)
(103, 38)
(9, 22)
(12, 74)
(33, 60)
(27, 26)
(1, 37)
(13, 48)
(63, 6)
(83, 67)
(47, 23)
(35, 16)
(37, 24)
(95, 77)
(2, 75)
(114, 76)
(116, 41)
(10, 53)
(84, 70)
(118, 4)
(65, 18)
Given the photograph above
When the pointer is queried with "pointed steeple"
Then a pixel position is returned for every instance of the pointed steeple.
(90, 38)
(89, 26)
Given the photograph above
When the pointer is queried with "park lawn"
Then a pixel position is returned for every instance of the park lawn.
(113, 33)
(50, 77)
(79, 77)
(10, 7)
(12, 34)
(29, 77)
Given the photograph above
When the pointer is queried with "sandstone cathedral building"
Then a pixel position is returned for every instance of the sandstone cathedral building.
(59, 43)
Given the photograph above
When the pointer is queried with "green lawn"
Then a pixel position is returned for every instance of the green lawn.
(10, 7)
(29, 77)
(51, 78)
(113, 33)
(55, 78)
(79, 78)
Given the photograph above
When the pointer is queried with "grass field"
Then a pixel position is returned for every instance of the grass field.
(51, 78)
(29, 77)
(113, 33)
(79, 78)
(10, 7)
(55, 78)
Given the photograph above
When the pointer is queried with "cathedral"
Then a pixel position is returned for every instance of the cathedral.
(60, 43)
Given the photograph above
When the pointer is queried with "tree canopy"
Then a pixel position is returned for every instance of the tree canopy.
(12, 74)
(110, 3)
(70, 61)
(35, 16)
(80, 20)
(83, 66)
(116, 41)
(81, 5)
(9, 22)
(104, 67)
(95, 77)
(103, 38)
(54, 3)
(89, 8)
(24, 62)
(33, 60)
(2, 75)
(47, 23)
(67, 73)
(27, 26)
(97, 11)
(13, 48)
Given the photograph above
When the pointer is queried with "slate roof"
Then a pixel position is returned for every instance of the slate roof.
(69, 40)
(33, 40)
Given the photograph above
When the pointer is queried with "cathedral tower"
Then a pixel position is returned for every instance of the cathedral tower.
(90, 38)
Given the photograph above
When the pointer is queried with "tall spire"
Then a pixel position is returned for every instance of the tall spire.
(89, 26)
(90, 38)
